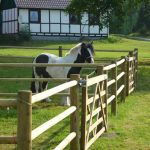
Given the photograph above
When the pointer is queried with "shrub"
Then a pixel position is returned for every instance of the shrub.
(9, 39)
(113, 39)
(24, 34)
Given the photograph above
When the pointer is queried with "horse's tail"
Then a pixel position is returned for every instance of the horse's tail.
(33, 89)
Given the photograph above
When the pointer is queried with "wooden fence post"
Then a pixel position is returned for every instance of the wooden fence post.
(60, 51)
(123, 81)
(131, 72)
(24, 120)
(114, 90)
(100, 70)
(127, 76)
(136, 65)
(75, 123)
(83, 116)
(105, 99)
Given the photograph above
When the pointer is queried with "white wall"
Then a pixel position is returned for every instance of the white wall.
(9, 21)
(55, 28)
(94, 29)
(23, 16)
(84, 19)
(52, 21)
(75, 28)
(64, 17)
(45, 28)
(35, 27)
(84, 29)
(64, 28)
(104, 30)
(45, 16)
(54, 16)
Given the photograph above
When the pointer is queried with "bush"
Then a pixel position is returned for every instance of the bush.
(24, 34)
(9, 39)
(15, 39)
(113, 39)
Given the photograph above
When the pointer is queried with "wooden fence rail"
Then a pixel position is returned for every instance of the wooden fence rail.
(127, 77)
(47, 125)
(50, 65)
(35, 79)
(8, 140)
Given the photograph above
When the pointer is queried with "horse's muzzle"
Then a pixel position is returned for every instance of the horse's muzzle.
(90, 60)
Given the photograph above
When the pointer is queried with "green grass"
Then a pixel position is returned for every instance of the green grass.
(112, 43)
(129, 130)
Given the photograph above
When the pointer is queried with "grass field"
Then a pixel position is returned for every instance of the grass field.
(112, 43)
(129, 130)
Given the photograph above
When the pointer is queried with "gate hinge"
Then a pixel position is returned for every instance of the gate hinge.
(82, 82)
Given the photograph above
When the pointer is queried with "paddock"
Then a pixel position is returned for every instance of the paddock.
(111, 83)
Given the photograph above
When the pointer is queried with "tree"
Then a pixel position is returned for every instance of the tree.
(128, 21)
(143, 24)
(103, 8)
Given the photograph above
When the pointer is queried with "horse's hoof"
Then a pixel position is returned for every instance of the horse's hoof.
(65, 104)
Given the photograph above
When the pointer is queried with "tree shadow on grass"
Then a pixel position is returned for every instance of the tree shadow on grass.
(52, 140)
(143, 83)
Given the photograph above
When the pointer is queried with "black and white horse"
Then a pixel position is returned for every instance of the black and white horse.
(81, 53)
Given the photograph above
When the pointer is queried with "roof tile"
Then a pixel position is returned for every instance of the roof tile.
(45, 4)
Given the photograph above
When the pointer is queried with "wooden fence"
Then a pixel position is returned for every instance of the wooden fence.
(112, 81)
(25, 134)
(122, 77)
(60, 50)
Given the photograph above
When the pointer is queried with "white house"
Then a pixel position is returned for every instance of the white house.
(47, 18)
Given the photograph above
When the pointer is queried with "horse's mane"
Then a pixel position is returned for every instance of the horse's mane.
(74, 49)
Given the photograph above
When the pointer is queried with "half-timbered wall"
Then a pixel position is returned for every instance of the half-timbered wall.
(56, 22)
(9, 21)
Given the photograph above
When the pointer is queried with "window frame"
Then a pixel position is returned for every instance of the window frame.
(39, 16)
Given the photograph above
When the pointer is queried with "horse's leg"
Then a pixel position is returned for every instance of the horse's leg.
(66, 99)
(33, 87)
(36, 85)
(44, 87)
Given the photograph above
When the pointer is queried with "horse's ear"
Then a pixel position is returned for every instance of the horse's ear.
(83, 45)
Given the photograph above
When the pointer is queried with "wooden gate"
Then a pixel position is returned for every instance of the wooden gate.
(131, 71)
(94, 110)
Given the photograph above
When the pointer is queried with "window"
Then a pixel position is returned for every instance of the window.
(74, 19)
(35, 16)
(94, 19)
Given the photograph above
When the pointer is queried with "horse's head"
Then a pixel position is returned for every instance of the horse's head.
(87, 52)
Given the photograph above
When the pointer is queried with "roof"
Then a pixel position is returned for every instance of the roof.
(45, 4)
